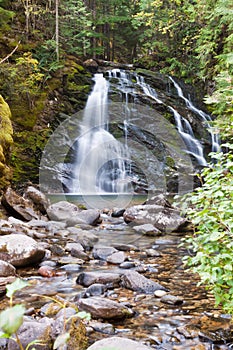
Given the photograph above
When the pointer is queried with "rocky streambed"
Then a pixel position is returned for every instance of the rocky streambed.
(124, 268)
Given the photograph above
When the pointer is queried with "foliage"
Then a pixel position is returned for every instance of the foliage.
(210, 208)
(12, 318)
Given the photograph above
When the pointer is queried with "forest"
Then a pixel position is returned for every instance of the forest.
(191, 40)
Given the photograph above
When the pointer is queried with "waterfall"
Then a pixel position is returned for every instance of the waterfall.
(101, 160)
(194, 147)
(103, 164)
(204, 117)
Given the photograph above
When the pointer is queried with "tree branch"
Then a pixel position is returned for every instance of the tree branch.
(10, 54)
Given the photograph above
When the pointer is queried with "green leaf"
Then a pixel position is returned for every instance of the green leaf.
(12, 318)
(15, 286)
(84, 315)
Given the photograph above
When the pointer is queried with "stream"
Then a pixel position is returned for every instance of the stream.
(192, 324)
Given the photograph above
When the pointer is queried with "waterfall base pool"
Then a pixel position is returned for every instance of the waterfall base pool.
(101, 200)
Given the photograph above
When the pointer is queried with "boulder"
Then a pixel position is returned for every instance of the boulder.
(20, 250)
(6, 269)
(116, 258)
(33, 330)
(71, 214)
(104, 308)
(163, 218)
(139, 283)
(147, 229)
(18, 206)
(118, 343)
(103, 252)
(88, 278)
(39, 200)
(91, 65)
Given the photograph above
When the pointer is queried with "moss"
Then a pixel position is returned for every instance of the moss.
(6, 142)
(26, 155)
(78, 339)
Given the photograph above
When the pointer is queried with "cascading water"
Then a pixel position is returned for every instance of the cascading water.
(103, 164)
(101, 159)
(204, 117)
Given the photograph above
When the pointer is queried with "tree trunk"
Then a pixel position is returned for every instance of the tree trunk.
(57, 28)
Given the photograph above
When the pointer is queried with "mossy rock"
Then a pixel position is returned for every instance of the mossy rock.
(6, 142)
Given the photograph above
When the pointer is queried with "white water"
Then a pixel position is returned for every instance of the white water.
(204, 117)
(194, 147)
(100, 161)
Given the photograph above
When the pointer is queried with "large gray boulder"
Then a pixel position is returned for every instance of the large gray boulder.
(163, 218)
(117, 343)
(71, 214)
(104, 308)
(20, 250)
(139, 283)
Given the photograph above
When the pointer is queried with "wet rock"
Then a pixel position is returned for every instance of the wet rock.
(95, 289)
(60, 320)
(104, 308)
(18, 206)
(171, 300)
(32, 330)
(65, 260)
(127, 265)
(87, 217)
(76, 250)
(103, 252)
(139, 283)
(20, 250)
(116, 258)
(105, 328)
(39, 200)
(47, 271)
(125, 247)
(160, 199)
(75, 246)
(118, 343)
(86, 238)
(88, 278)
(118, 213)
(6, 269)
(62, 211)
(147, 229)
(159, 293)
(163, 218)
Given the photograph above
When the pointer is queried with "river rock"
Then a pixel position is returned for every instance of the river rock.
(163, 218)
(139, 283)
(116, 258)
(91, 65)
(18, 206)
(88, 278)
(6, 269)
(95, 289)
(62, 211)
(147, 229)
(103, 252)
(86, 238)
(39, 200)
(71, 214)
(118, 343)
(20, 250)
(32, 330)
(171, 299)
(104, 308)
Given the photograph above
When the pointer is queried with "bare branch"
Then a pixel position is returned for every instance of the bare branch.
(10, 54)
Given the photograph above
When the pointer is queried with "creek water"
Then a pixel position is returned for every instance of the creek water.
(162, 326)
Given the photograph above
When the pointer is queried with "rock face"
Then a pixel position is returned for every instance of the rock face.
(20, 250)
(71, 214)
(163, 218)
(135, 281)
(6, 141)
(104, 308)
(118, 343)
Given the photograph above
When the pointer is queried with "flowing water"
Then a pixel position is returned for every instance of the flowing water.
(103, 163)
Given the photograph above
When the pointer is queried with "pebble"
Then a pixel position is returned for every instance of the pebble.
(159, 293)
